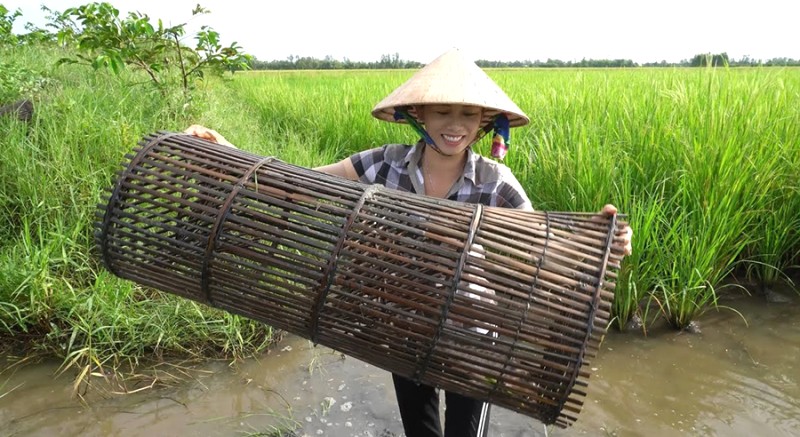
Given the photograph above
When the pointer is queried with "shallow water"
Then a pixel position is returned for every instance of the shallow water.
(732, 379)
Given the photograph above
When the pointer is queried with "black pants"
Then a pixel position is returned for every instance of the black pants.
(419, 408)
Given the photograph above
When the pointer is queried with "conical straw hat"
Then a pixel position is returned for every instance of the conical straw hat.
(451, 79)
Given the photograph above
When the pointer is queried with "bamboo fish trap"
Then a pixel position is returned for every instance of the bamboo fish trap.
(498, 304)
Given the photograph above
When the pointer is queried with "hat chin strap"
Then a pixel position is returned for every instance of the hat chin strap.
(402, 113)
(499, 123)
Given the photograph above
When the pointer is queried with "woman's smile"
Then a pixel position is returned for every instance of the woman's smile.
(453, 140)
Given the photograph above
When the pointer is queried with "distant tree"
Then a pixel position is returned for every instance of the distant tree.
(783, 62)
(390, 61)
(720, 60)
(699, 60)
(709, 60)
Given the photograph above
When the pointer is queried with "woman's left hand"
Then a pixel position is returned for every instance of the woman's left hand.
(205, 133)
(626, 233)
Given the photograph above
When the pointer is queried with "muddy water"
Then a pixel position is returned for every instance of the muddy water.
(732, 379)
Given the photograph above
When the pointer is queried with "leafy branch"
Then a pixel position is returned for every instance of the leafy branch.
(105, 40)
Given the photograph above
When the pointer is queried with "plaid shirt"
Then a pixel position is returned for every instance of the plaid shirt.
(397, 166)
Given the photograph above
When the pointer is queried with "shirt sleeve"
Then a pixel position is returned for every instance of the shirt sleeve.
(367, 163)
(511, 193)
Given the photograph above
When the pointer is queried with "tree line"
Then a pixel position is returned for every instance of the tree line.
(393, 61)
(388, 61)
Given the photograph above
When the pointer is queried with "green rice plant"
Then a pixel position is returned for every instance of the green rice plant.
(302, 109)
(776, 240)
(705, 238)
(775, 235)
(672, 148)
(649, 212)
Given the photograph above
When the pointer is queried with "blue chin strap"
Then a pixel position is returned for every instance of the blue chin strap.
(499, 124)
(402, 114)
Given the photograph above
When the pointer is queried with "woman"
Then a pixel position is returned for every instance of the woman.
(451, 103)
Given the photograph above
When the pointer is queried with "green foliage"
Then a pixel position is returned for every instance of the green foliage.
(55, 300)
(709, 60)
(19, 81)
(703, 161)
(34, 35)
(104, 40)
(7, 19)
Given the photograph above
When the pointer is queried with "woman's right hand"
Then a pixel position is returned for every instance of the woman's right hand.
(207, 134)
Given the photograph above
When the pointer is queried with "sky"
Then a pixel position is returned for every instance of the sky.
(420, 30)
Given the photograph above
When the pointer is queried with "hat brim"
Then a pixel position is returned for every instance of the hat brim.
(388, 113)
(451, 79)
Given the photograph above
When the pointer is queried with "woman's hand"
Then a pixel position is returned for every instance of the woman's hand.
(207, 134)
(626, 233)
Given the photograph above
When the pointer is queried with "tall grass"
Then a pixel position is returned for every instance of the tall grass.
(703, 161)
(54, 298)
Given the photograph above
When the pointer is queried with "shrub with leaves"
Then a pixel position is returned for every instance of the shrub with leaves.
(17, 81)
(7, 19)
(105, 40)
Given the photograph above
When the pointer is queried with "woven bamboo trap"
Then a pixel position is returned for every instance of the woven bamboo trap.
(498, 304)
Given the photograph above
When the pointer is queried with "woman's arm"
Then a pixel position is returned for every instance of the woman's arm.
(343, 169)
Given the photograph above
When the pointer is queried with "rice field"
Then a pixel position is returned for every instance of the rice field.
(705, 163)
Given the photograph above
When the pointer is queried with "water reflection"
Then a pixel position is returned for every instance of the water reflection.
(732, 379)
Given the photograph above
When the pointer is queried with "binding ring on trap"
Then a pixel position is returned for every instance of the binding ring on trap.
(498, 304)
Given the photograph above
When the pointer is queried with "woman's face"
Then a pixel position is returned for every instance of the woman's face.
(452, 127)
